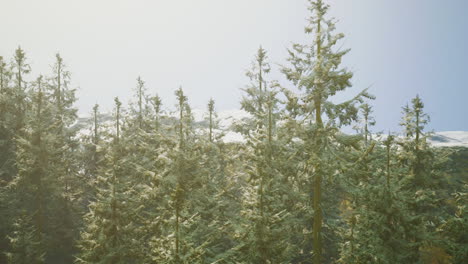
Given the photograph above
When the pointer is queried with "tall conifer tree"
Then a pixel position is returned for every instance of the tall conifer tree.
(110, 231)
(20, 68)
(262, 209)
(315, 69)
(64, 166)
(34, 187)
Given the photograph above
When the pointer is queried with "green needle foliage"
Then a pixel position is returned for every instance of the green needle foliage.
(148, 185)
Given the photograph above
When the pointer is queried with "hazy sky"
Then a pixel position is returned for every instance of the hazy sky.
(398, 47)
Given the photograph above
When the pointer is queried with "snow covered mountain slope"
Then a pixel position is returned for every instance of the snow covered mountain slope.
(450, 139)
(224, 120)
(227, 120)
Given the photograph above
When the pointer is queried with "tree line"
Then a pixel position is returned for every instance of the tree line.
(153, 188)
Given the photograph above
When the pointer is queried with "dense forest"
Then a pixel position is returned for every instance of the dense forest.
(151, 187)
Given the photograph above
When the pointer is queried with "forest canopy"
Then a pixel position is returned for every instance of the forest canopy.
(151, 186)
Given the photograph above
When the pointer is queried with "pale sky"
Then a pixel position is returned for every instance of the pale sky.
(398, 47)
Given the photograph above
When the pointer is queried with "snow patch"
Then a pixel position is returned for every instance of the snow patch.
(233, 137)
(449, 139)
(227, 118)
(199, 115)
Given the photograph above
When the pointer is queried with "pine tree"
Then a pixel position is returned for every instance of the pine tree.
(109, 235)
(33, 186)
(416, 149)
(365, 123)
(213, 199)
(91, 158)
(13, 106)
(91, 153)
(357, 172)
(453, 230)
(179, 187)
(391, 216)
(20, 68)
(316, 70)
(64, 168)
(185, 175)
(140, 108)
(262, 210)
(7, 155)
(138, 134)
(211, 113)
(157, 108)
(255, 101)
(25, 243)
(422, 173)
(384, 228)
(4, 75)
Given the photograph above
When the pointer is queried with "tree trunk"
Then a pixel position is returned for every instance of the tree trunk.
(317, 183)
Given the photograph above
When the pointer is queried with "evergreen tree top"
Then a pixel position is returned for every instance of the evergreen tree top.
(315, 69)
(211, 104)
(181, 97)
(414, 118)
